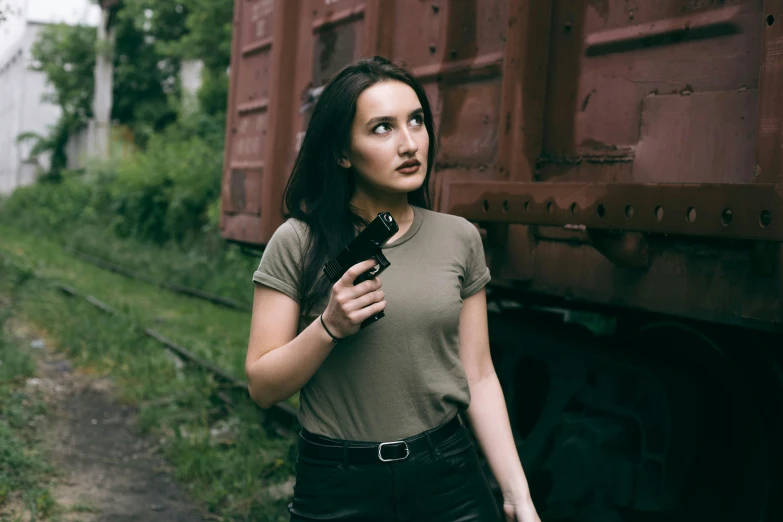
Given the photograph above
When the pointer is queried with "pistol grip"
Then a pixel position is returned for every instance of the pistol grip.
(370, 320)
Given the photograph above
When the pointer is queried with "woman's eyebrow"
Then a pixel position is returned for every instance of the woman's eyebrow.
(390, 119)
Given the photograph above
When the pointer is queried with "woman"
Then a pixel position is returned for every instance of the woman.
(382, 437)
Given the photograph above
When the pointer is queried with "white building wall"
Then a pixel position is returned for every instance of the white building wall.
(37, 116)
(11, 87)
(21, 91)
(22, 110)
(190, 75)
(77, 149)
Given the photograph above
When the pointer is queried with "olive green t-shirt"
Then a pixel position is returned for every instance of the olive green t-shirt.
(401, 375)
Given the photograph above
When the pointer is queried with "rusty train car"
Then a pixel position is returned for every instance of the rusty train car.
(624, 162)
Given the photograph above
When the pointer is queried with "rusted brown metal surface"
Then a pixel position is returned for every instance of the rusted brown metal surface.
(664, 115)
(768, 258)
(769, 148)
(743, 211)
(247, 121)
(455, 48)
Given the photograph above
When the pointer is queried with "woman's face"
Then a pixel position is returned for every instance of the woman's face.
(389, 142)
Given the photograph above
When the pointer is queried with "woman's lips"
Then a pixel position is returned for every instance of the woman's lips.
(409, 167)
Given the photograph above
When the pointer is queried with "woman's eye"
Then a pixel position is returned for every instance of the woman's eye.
(381, 126)
(418, 120)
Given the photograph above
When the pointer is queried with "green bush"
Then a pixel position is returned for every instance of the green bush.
(164, 193)
(47, 206)
(167, 192)
(155, 211)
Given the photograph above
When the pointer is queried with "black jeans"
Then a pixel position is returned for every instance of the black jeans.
(444, 484)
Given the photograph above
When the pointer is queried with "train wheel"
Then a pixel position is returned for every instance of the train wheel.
(737, 466)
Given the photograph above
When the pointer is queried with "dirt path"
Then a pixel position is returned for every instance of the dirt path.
(109, 472)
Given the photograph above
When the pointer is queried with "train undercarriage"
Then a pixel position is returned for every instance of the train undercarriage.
(627, 417)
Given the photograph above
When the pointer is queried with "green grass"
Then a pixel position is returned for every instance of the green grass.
(214, 333)
(212, 265)
(178, 406)
(25, 474)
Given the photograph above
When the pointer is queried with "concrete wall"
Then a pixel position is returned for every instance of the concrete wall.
(11, 89)
(78, 148)
(190, 75)
(22, 110)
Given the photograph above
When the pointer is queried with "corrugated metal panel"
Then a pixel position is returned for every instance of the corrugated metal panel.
(455, 48)
(603, 91)
(248, 119)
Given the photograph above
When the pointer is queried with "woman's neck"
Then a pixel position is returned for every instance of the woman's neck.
(371, 207)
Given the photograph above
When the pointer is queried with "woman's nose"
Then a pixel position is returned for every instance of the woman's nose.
(408, 143)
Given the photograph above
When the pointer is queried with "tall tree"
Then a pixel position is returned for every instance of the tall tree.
(146, 84)
(152, 38)
(208, 38)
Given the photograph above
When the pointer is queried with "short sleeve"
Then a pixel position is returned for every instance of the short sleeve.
(476, 270)
(281, 263)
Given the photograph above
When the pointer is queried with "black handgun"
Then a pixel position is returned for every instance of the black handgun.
(365, 246)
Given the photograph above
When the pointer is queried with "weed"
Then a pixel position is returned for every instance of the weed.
(221, 453)
(24, 472)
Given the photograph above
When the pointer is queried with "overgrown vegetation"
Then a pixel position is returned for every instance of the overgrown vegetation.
(154, 208)
(151, 40)
(156, 214)
(25, 473)
(222, 453)
(214, 333)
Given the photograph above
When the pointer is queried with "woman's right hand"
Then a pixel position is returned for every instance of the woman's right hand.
(350, 305)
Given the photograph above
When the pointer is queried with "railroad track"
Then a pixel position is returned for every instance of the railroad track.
(282, 414)
(173, 287)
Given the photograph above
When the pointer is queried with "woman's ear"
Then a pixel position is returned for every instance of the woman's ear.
(344, 163)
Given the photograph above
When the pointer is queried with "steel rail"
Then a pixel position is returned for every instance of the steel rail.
(280, 410)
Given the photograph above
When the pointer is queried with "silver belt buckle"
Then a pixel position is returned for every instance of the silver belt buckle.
(382, 444)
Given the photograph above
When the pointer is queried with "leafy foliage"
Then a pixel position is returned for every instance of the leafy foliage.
(213, 95)
(146, 84)
(47, 206)
(223, 455)
(208, 36)
(24, 468)
(54, 142)
(152, 38)
(168, 190)
(161, 194)
(164, 193)
(66, 54)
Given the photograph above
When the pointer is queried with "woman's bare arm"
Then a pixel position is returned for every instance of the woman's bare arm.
(279, 362)
(487, 413)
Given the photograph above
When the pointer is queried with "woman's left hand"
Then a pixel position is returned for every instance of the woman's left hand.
(519, 508)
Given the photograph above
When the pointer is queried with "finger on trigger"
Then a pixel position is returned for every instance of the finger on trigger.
(360, 268)
(355, 271)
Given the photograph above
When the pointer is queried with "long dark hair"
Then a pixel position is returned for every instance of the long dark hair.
(319, 191)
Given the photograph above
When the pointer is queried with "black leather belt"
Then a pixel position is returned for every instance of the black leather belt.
(321, 447)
